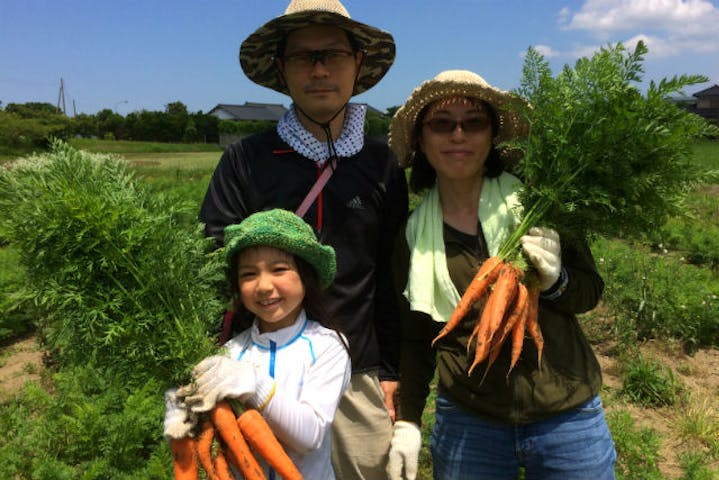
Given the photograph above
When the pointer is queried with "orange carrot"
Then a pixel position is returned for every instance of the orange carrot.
(226, 424)
(204, 448)
(533, 323)
(486, 276)
(259, 435)
(222, 468)
(499, 301)
(184, 458)
(518, 338)
(518, 311)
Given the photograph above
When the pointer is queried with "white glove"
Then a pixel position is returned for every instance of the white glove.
(404, 451)
(544, 251)
(179, 420)
(218, 377)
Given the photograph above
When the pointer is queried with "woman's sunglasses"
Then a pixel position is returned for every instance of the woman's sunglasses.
(469, 125)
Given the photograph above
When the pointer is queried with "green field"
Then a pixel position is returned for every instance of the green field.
(657, 332)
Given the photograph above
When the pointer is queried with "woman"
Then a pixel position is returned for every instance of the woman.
(547, 419)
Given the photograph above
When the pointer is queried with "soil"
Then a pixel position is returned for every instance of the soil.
(698, 373)
(22, 361)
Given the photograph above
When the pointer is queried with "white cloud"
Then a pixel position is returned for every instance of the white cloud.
(668, 27)
(604, 17)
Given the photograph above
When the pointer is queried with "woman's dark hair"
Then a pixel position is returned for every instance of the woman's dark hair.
(423, 175)
(313, 303)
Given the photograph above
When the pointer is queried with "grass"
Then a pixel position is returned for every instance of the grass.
(129, 147)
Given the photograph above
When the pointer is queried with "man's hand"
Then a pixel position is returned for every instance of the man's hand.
(542, 247)
(389, 388)
(404, 451)
(218, 377)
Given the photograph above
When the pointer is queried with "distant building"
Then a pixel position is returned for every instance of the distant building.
(706, 103)
(249, 111)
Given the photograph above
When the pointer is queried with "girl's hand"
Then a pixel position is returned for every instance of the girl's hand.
(216, 378)
(542, 247)
(179, 420)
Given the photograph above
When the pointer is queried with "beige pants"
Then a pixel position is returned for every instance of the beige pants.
(361, 431)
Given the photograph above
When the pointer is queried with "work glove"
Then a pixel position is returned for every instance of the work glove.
(179, 420)
(404, 451)
(541, 245)
(216, 378)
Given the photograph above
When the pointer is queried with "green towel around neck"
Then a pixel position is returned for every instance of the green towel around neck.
(429, 287)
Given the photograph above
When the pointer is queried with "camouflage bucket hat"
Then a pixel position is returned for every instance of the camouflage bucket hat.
(258, 51)
(283, 230)
(454, 83)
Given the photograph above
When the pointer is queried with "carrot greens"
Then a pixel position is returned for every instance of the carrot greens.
(601, 158)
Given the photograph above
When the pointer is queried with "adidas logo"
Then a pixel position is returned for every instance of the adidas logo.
(355, 203)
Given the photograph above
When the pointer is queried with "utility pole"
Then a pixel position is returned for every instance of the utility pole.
(61, 97)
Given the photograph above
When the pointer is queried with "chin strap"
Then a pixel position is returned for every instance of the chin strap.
(326, 129)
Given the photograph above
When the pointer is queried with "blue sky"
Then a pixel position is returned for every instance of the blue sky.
(131, 55)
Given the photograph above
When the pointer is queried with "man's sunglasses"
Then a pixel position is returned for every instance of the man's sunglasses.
(469, 125)
(331, 58)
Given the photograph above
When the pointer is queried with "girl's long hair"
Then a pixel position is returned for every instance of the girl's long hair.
(313, 303)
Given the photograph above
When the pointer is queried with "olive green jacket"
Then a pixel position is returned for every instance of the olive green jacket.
(569, 373)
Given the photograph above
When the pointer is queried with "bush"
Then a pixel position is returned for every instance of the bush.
(659, 296)
(130, 294)
(649, 383)
(637, 448)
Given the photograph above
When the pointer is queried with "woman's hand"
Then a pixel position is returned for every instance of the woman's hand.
(542, 247)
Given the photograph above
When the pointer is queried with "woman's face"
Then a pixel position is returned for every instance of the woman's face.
(456, 138)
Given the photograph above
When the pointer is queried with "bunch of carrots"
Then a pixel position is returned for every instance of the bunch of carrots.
(510, 310)
(225, 439)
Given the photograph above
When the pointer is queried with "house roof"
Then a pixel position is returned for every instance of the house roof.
(252, 111)
(261, 111)
(708, 92)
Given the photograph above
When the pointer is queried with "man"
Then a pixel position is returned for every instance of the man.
(320, 57)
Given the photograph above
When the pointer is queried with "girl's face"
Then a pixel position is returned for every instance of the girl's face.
(457, 138)
(270, 286)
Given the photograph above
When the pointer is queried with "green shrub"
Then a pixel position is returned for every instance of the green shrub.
(659, 296)
(695, 468)
(245, 126)
(94, 426)
(637, 448)
(122, 281)
(16, 310)
(649, 383)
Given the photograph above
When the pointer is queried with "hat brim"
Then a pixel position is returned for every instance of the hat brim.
(507, 106)
(257, 52)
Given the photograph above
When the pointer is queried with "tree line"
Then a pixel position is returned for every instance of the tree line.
(29, 126)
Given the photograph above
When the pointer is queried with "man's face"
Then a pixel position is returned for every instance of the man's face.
(322, 83)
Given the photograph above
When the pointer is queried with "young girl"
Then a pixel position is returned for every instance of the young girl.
(290, 363)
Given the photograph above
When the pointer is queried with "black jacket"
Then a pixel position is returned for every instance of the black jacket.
(359, 213)
(569, 376)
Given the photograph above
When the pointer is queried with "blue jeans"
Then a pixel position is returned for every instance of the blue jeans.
(573, 445)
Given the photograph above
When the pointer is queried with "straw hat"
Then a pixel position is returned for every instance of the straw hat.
(257, 52)
(283, 230)
(453, 83)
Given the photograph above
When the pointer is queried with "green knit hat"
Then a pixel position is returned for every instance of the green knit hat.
(283, 230)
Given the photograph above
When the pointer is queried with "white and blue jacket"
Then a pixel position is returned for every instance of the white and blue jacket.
(302, 371)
